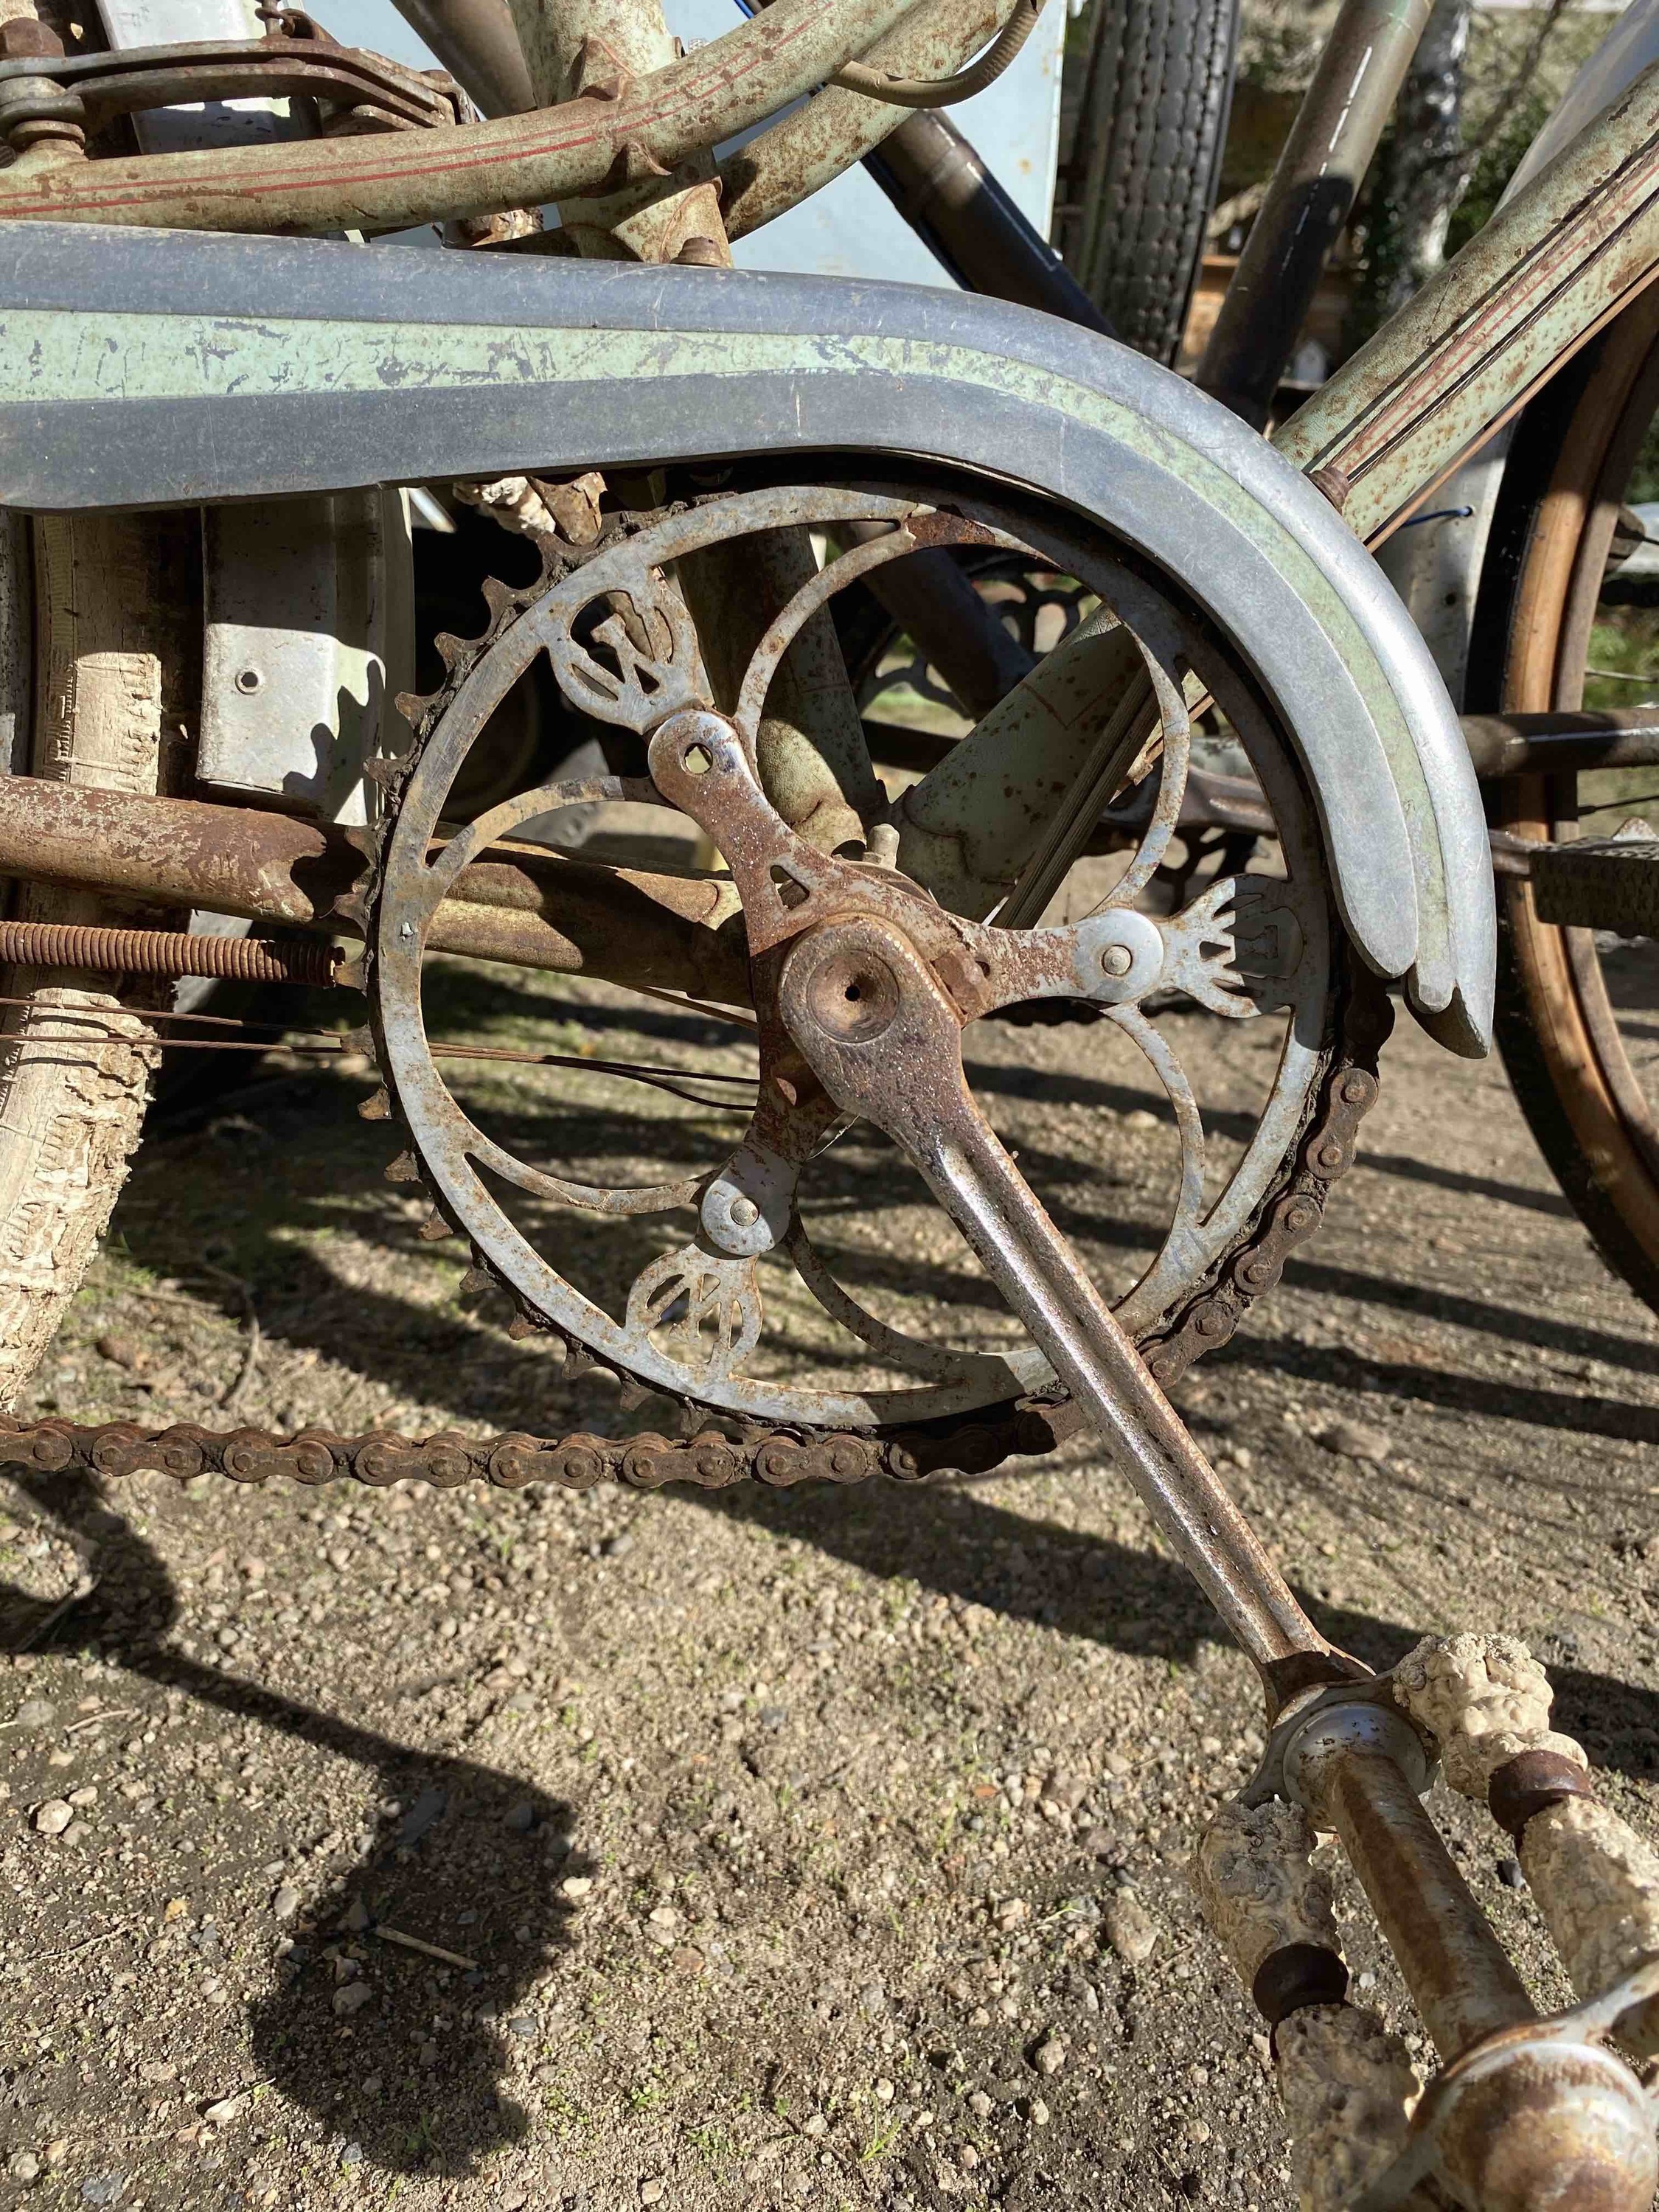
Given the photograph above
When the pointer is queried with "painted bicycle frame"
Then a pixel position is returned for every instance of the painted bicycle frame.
(1563, 258)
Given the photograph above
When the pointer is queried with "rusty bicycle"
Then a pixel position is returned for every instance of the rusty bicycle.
(220, 404)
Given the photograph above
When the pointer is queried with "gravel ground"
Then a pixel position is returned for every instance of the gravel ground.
(542, 1851)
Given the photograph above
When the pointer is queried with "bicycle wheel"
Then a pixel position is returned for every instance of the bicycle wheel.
(1568, 616)
(1157, 92)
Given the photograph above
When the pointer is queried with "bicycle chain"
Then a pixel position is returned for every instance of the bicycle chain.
(778, 1457)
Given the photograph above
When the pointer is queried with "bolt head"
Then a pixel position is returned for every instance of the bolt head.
(1117, 959)
(743, 1212)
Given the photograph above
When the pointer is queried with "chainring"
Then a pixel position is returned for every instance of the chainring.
(1207, 1309)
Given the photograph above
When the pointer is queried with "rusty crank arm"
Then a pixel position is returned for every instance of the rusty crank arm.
(860, 977)
(870, 983)
(885, 1042)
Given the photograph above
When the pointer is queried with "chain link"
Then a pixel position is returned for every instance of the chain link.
(778, 1457)
(781, 1457)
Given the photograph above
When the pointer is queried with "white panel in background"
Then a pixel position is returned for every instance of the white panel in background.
(849, 229)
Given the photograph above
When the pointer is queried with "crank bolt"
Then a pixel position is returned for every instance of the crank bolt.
(743, 1212)
(1117, 960)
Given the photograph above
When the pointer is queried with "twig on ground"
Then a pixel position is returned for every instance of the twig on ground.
(73, 1950)
(427, 1950)
(230, 1399)
(92, 1720)
(51, 1620)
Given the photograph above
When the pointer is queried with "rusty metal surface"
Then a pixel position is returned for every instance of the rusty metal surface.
(535, 910)
(647, 670)
(164, 952)
(1538, 2114)
(1458, 1973)
(363, 92)
(1562, 743)
(885, 1040)
(711, 1461)
(1362, 66)
(711, 94)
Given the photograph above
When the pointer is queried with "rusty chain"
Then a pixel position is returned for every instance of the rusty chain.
(779, 1458)
(776, 1456)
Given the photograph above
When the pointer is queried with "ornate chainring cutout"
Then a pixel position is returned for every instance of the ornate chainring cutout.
(693, 1320)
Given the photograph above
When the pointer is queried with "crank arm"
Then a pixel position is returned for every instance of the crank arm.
(884, 1040)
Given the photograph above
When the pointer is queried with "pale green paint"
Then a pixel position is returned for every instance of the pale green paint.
(62, 356)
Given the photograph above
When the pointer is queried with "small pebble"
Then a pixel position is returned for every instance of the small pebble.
(520, 1818)
(978, 2104)
(1354, 1440)
(286, 1903)
(1039, 2113)
(22, 2166)
(54, 1816)
(1509, 1874)
(352, 2155)
(121, 1352)
(371, 2084)
(815, 2124)
(884, 2090)
(35, 1713)
(352, 1998)
(226, 2109)
(576, 1885)
(1130, 1929)
(618, 1547)
(103, 2187)
(651, 2192)
(1049, 2055)
(522, 2024)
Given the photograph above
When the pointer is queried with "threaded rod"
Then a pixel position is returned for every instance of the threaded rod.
(166, 952)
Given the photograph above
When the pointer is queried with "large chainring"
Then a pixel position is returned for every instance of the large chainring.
(610, 622)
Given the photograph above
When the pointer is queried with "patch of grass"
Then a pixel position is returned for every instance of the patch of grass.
(882, 2141)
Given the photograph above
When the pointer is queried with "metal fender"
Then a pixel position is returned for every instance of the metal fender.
(150, 368)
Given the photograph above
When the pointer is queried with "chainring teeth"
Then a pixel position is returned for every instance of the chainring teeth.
(1178, 1337)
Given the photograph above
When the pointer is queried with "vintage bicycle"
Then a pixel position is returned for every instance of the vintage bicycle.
(213, 405)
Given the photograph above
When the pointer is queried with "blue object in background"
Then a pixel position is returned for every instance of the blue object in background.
(850, 228)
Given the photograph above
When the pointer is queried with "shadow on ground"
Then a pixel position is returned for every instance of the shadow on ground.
(474, 1852)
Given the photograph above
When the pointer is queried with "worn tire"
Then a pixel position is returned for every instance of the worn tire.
(1570, 455)
(114, 602)
(1157, 92)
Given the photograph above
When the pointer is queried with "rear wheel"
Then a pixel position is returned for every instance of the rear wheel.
(1157, 92)
(1569, 617)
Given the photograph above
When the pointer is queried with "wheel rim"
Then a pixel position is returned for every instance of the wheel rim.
(1570, 1031)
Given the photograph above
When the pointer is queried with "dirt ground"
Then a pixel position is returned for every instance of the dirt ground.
(766, 1849)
